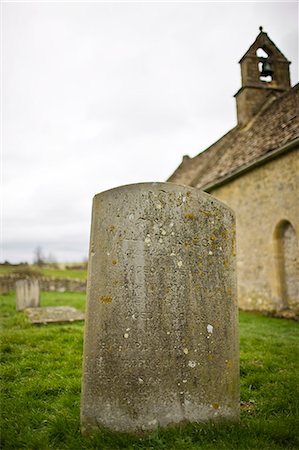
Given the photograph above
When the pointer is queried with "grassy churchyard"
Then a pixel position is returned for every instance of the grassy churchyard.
(41, 382)
(44, 271)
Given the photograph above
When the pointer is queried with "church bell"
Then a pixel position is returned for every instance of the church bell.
(266, 69)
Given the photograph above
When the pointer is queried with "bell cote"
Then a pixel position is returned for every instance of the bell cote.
(264, 70)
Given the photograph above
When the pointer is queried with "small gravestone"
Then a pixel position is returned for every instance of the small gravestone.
(161, 334)
(52, 314)
(27, 294)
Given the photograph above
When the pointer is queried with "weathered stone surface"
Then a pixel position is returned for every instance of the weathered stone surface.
(161, 339)
(266, 201)
(51, 314)
(27, 294)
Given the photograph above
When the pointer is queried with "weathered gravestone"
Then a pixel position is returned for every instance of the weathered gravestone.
(54, 314)
(27, 294)
(161, 337)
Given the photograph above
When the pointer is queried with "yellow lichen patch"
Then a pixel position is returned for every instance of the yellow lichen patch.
(105, 299)
(213, 237)
(216, 405)
(226, 263)
(228, 364)
(114, 262)
(207, 213)
(210, 357)
(224, 234)
(189, 216)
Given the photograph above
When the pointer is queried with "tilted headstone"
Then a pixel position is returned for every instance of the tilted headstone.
(27, 294)
(161, 334)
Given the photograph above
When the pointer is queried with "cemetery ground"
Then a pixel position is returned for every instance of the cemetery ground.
(49, 270)
(41, 383)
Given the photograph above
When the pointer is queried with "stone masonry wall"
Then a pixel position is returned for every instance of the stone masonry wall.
(8, 283)
(262, 199)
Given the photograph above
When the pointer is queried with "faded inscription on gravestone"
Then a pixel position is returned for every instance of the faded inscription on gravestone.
(161, 337)
(27, 294)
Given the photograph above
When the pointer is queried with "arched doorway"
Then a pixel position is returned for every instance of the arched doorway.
(286, 246)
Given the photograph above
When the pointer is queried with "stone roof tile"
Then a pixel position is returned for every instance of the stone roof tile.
(276, 125)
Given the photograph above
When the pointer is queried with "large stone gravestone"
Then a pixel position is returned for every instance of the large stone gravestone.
(27, 294)
(161, 336)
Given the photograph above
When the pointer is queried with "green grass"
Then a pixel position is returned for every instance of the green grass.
(41, 382)
(66, 273)
(43, 271)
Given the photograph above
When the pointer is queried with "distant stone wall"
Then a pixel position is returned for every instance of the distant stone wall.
(57, 284)
(8, 282)
(265, 201)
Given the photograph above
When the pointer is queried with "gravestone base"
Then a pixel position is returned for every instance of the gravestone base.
(53, 314)
(170, 414)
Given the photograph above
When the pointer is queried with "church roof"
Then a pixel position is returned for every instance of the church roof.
(272, 128)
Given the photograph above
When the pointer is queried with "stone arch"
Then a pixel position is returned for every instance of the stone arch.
(286, 261)
(261, 53)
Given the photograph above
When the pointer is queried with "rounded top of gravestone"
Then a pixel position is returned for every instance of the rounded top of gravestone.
(164, 187)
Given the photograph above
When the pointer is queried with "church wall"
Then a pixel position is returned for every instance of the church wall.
(263, 199)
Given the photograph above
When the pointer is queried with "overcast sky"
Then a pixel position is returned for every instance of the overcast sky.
(97, 95)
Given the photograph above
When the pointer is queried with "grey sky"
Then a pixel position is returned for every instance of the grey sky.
(96, 95)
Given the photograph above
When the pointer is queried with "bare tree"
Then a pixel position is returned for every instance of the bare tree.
(38, 257)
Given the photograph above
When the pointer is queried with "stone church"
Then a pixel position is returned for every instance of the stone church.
(254, 169)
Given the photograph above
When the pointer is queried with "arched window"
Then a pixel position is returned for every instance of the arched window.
(286, 244)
